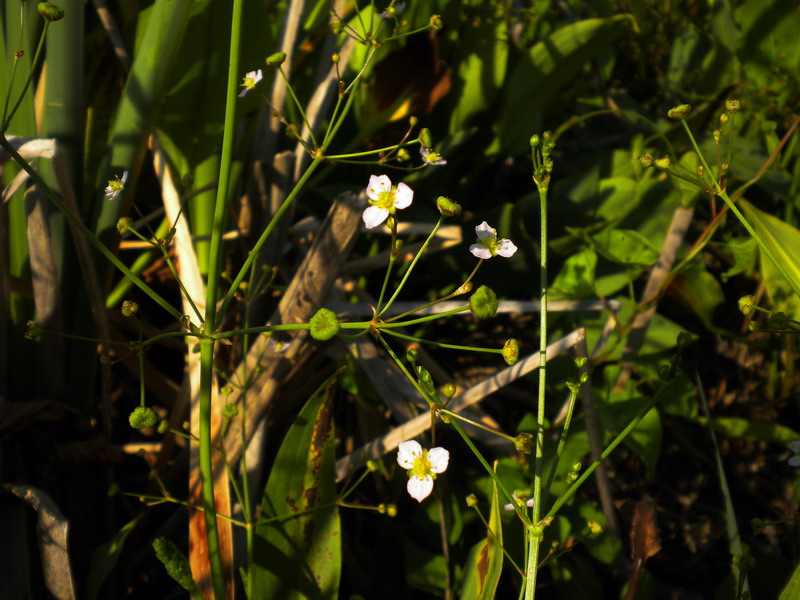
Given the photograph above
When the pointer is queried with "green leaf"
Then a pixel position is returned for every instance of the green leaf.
(543, 71)
(753, 430)
(792, 589)
(298, 555)
(485, 560)
(576, 278)
(105, 557)
(702, 292)
(645, 439)
(625, 246)
(744, 252)
(783, 241)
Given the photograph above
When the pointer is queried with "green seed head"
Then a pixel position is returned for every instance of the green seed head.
(50, 11)
(679, 112)
(447, 207)
(143, 417)
(483, 303)
(324, 324)
(276, 60)
(511, 351)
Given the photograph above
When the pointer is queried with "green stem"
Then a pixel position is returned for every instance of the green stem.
(413, 263)
(447, 313)
(298, 105)
(722, 194)
(441, 345)
(477, 424)
(573, 395)
(7, 119)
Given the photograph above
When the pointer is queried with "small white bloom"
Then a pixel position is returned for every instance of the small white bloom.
(251, 81)
(429, 157)
(488, 245)
(422, 466)
(510, 506)
(384, 199)
(795, 460)
(116, 186)
(393, 11)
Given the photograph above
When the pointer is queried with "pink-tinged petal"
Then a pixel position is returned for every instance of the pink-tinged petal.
(377, 185)
(480, 251)
(403, 196)
(506, 248)
(407, 453)
(439, 459)
(374, 216)
(243, 93)
(794, 461)
(420, 488)
(510, 506)
(795, 445)
(484, 231)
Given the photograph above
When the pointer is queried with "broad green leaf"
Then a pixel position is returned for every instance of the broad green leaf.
(546, 68)
(576, 278)
(105, 557)
(783, 241)
(298, 555)
(485, 560)
(753, 430)
(792, 589)
(700, 290)
(645, 439)
(625, 246)
(744, 251)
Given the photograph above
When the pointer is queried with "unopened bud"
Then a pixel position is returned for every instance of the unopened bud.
(425, 138)
(535, 140)
(412, 121)
(412, 354)
(679, 112)
(472, 500)
(646, 160)
(447, 207)
(523, 443)
(747, 305)
(124, 224)
(511, 352)
(372, 466)
(50, 11)
(448, 390)
(276, 60)
(163, 427)
(391, 510)
(436, 22)
(663, 162)
(335, 58)
(129, 308)
(724, 118)
(595, 527)
(733, 105)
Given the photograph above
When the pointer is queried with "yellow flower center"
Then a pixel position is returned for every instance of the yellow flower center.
(385, 200)
(422, 466)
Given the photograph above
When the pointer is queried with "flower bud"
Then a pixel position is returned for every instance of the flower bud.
(32, 331)
(447, 207)
(143, 417)
(523, 443)
(753, 327)
(124, 224)
(412, 121)
(382, 508)
(483, 303)
(412, 354)
(335, 58)
(535, 140)
(425, 138)
(717, 133)
(129, 308)
(372, 466)
(581, 361)
(511, 351)
(448, 390)
(595, 527)
(391, 510)
(276, 60)
(724, 118)
(663, 162)
(163, 427)
(472, 500)
(646, 160)
(230, 410)
(436, 22)
(733, 105)
(50, 11)
(324, 324)
(747, 305)
(679, 112)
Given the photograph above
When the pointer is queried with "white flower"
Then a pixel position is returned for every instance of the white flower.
(795, 460)
(488, 245)
(429, 157)
(510, 506)
(422, 465)
(384, 199)
(393, 11)
(116, 186)
(250, 81)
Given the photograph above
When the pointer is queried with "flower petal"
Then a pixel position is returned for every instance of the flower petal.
(510, 506)
(407, 453)
(480, 251)
(377, 185)
(420, 488)
(439, 458)
(484, 231)
(506, 248)
(403, 196)
(374, 216)
(794, 461)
